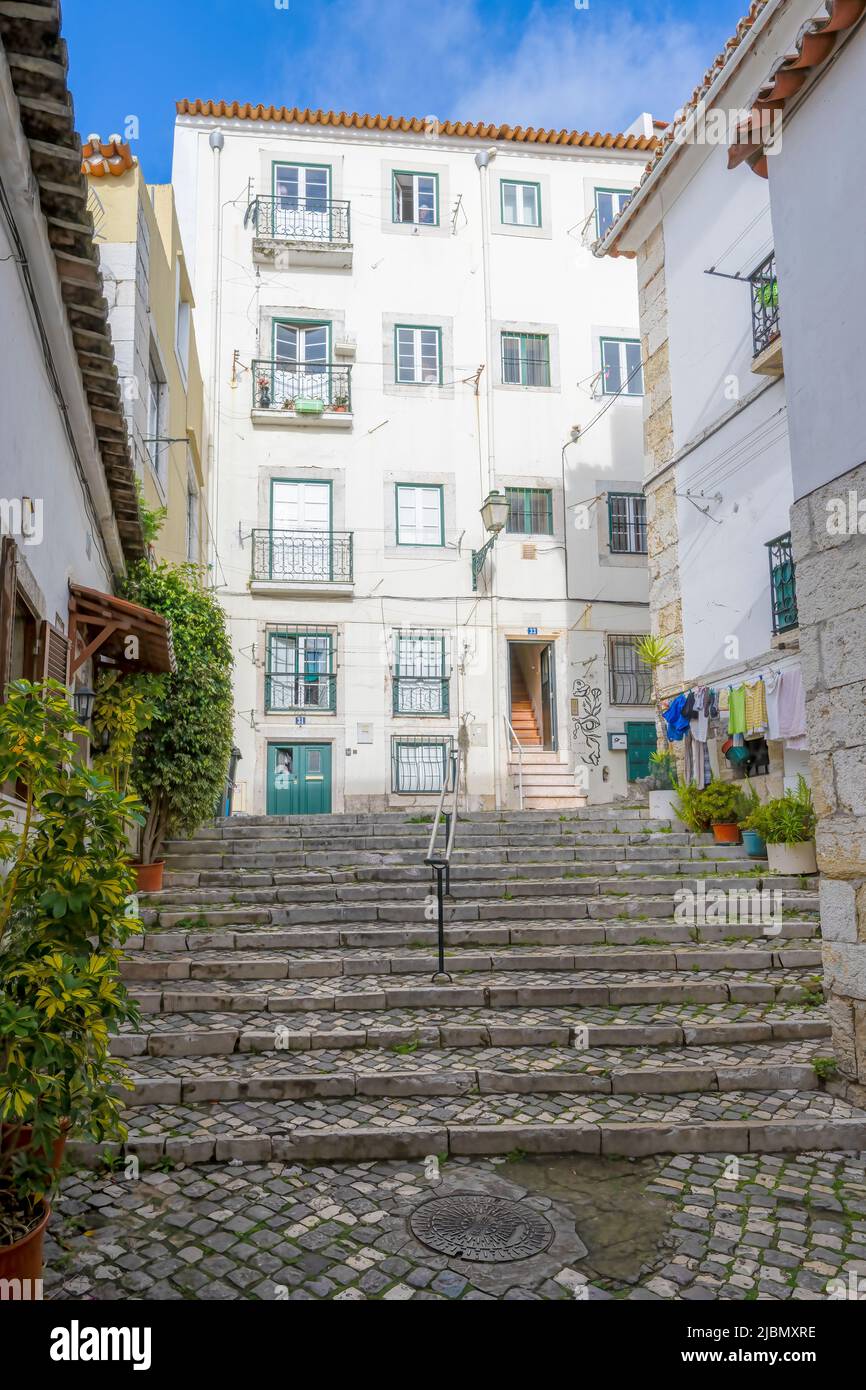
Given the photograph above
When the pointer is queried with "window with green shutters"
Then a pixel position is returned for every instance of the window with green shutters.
(530, 511)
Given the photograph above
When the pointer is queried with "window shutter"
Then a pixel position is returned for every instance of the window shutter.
(8, 590)
(54, 654)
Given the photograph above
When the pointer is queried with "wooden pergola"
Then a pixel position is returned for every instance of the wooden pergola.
(132, 637)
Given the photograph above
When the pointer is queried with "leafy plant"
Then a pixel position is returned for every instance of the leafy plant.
(786, 820)
(723, 803)
(63, 922)
(655, 652)
(124, 706)
(152, 518)
(180, 759)
(689, 808)
(824, 1067)
(663, 776)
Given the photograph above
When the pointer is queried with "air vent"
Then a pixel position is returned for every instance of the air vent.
(528, 551)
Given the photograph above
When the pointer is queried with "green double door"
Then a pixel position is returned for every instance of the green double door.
(641, 742)
(299, 779)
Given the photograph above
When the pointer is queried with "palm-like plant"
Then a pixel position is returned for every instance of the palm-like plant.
(655, 652)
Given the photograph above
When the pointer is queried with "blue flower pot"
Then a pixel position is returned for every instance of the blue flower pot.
(754, 845)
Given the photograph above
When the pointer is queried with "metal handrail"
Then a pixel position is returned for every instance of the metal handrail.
(516, 740)
(441, 865)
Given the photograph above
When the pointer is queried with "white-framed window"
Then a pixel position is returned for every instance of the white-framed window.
(418, 354)
(157, 447)
(183, 316)
(419, 764)
(192, 516)
(420, 676)
(627, 522)
(300, 671)
(521, 203)
(621, 367)
(419, 514)
(300, 545)
(609, 203)
(416, 198)
(302, 201)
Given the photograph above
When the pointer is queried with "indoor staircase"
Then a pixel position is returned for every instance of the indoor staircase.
(288, 1011)
(548, 782)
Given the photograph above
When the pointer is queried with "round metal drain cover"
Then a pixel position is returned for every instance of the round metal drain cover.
(473, 1226)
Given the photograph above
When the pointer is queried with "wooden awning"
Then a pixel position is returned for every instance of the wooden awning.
(132, 637)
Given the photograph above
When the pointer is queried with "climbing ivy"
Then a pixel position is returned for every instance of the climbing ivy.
(180, 760)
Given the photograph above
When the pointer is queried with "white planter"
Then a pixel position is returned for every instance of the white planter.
(792, 859)
(661, 805)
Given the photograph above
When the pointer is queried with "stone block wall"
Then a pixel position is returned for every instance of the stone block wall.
(831, 599)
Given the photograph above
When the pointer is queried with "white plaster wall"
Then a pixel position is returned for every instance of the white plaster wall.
(551, 280)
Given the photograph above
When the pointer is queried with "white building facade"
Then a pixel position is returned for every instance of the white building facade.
(396, 320)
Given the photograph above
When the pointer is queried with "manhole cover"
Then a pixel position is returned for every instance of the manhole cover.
(474, 1226)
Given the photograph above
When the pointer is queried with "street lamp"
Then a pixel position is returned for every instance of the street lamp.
(83, 700)
(494, 514)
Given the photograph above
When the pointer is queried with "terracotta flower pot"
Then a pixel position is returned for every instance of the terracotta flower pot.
(149, 876)
(726, 833)
(22, 1140)
(23, 1259)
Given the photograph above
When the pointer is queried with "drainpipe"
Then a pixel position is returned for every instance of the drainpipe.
(216, 140)
(482, 160)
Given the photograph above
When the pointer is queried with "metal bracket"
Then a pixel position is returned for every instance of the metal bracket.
(478, 558)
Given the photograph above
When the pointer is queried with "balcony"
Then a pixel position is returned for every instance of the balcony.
(302, 393)
(302, 562)
(307, 694)
(766, 328)
(420, 695)
(783, 584)
(292, 233)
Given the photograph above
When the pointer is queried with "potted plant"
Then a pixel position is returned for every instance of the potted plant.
(688, 808)
(180, 759)
(661, 785)
(787, 825)
(124, 706)
(63, 922)
(341, 404)
(288, 403)
(264, 388)
(753, 842)
(724, 806)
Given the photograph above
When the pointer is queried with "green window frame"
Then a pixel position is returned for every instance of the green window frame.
(530, 511)
(308, 682)
(420, 681)
(621, 367)
(630, 677)
(418, 354)
(618, 199)
(626, 519)
(525, 359)
(398, 192)
(415, 488)
(519, 203)
(419, 764)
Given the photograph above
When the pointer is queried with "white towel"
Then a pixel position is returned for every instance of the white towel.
(792, 706)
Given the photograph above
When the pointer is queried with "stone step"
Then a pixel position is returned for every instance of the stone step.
(301, 1076)
(628, 1026)
(359, 1128)
(252, 938)
(299, 964)
(494, 990)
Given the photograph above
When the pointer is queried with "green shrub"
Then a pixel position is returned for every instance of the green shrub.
(689, 808)
(723, 803)
(786, 820)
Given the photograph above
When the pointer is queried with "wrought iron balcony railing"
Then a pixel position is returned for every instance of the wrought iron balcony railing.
(765, 304)
(420, 694)
(284, 218)
(307, 388)
(316, 692)
(783, 584)
(323, 557)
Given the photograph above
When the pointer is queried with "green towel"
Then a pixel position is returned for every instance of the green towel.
(737, 710)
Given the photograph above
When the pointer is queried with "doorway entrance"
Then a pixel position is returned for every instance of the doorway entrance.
(641, 736)
(532, 694)
(299, 779)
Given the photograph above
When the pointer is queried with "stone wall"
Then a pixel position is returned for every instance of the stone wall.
(831, 598)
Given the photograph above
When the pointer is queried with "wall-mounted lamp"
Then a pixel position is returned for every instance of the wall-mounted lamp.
(82, 702)
(494, 514)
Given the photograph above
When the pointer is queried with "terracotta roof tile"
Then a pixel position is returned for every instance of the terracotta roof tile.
(472, 130)
(113, 157)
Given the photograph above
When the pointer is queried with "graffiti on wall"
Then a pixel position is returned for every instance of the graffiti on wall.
(586, 722)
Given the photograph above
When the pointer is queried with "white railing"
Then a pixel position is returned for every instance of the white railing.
(516, 741)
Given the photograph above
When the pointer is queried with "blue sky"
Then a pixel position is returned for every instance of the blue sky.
(543, 63)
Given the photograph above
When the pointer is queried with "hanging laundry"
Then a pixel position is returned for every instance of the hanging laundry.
(676, 722)
(737, 710)
(792, 709)
(700, 717)
(755, 709)
(772, 682)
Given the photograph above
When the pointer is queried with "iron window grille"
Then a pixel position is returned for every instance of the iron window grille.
(783, 584)
(627, 523)
(419, 764)
(303, 556)
(630, 678)
(525, 359)
(530, 511)
(300, 671)
(621, 367)
(288, 217)
(765, 304)
(421, 673)
(304, 387)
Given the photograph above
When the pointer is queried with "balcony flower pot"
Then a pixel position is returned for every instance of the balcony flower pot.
(792, 859)
(754, 844)
(149, 876)
(264, 393)
(662, 805)
(22, 1258)
(723, 805)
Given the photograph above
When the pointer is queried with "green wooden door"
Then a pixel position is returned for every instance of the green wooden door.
(299, 779)
(641, 742)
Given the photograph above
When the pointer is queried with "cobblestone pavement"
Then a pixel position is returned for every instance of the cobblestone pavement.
(686, 1227)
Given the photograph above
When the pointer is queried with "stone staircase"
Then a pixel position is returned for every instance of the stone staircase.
(288, 1012)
